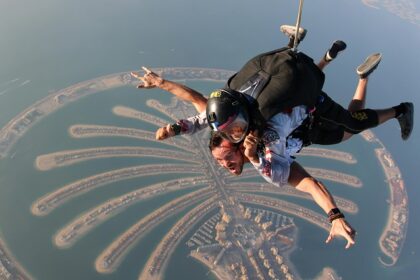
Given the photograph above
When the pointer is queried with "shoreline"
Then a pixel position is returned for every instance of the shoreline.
(10, 266)
(23, 121)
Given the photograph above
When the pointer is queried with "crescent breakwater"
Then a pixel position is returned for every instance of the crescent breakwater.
(393, 235)
(9, 267)
(392, 239)
(21, 123)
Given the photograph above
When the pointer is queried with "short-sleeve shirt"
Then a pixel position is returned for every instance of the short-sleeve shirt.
(279, 147)
(193, 124)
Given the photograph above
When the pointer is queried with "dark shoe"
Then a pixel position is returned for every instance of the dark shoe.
(406, 120)
(370, 64)
(290, 32)
(336, 47)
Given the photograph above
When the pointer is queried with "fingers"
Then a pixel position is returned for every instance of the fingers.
(161, 133)
(349, 243)
(149, 79)
(350, 238)
(143, 84)
(351, 232)
(252, 137)
(135, 75)
(342, 228)
(329, 238)
(250, 142)
(164, 132)
(147, 70)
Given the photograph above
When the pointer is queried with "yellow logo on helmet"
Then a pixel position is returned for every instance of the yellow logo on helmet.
(215, 94)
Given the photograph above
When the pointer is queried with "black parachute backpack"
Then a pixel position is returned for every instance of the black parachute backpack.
(279, 80)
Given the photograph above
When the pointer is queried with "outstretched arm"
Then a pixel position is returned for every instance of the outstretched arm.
(153, 80)
(190, 125)
(301, 179)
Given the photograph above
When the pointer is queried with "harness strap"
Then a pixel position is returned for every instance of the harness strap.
(303, 130)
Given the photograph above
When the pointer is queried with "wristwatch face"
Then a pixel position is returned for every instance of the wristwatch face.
(333, 211)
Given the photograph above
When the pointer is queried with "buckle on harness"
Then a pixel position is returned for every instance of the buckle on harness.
(311, 117)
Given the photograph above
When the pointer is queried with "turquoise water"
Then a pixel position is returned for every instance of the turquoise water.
(21, 188)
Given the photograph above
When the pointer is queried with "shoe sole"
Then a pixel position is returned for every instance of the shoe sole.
(410, 113)
(369, 64)
(290, 31)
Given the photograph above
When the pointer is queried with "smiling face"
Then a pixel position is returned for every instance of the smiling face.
(234, 130)
(229, 156)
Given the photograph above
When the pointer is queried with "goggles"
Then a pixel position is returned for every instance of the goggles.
(234, 130)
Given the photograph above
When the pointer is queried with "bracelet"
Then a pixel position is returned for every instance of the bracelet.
(176, 128)
(334, 214)
(335, 217)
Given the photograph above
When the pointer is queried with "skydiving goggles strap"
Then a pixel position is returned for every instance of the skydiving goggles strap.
(335, 214)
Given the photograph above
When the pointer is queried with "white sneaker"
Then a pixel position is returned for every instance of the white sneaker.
(370, 64)
(290, 31)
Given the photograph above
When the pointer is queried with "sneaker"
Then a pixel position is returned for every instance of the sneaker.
(370, 64)
(406, 120)
(290, 31)
(336, 47)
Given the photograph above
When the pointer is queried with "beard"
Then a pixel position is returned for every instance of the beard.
(238, 168)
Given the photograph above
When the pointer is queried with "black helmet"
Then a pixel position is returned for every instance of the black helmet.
(227, 113)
